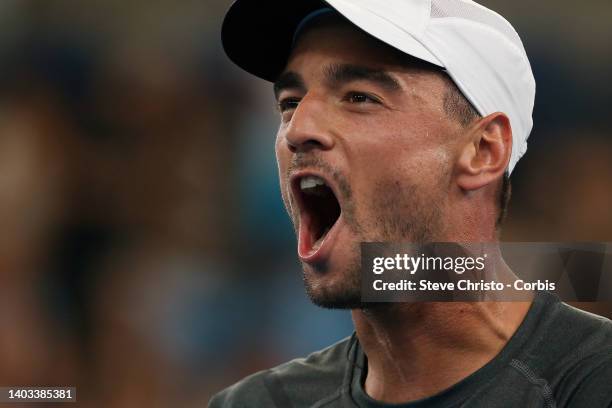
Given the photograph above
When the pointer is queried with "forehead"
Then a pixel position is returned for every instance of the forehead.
(331, 39)
(334, 37)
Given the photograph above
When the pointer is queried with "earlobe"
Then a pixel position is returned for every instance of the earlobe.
(486, 154)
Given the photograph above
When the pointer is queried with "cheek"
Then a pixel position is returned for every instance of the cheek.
(283, 157)
(278, 148)
(399, 157)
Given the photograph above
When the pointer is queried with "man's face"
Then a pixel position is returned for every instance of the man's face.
(375, 132)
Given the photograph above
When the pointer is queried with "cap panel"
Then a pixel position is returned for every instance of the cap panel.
(472, 11)
(407, 15)
(381, 24)
(493, 74)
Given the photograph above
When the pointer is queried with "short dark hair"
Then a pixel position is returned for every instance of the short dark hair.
(456, 104)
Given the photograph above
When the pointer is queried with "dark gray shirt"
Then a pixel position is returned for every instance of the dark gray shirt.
(559, 357)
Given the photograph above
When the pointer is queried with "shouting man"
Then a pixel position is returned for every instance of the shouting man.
(401, 121)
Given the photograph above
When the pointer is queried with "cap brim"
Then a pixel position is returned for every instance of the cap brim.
(257, 35)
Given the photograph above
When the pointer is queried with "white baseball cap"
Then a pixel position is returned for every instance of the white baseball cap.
(478, 48)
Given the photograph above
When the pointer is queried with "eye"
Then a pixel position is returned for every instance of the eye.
(360, 98)
(288, 104)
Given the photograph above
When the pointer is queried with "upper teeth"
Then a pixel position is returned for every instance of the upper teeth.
(311, 182)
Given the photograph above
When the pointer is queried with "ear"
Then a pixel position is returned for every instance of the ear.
(486, 155)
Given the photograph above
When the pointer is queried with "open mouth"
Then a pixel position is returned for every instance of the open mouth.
(319, 211)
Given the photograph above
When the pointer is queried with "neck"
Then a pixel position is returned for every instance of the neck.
(415, 350)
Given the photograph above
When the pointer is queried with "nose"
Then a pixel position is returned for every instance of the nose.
(308, 128)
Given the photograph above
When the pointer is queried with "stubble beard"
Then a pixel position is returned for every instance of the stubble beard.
(399, 211)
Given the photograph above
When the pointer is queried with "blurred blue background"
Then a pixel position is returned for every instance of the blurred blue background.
(145, 256)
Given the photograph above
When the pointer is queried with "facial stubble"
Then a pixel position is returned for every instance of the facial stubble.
(398, 211)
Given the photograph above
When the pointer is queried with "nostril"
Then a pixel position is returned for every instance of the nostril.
(304, 146)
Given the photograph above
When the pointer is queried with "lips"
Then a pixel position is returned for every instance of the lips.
(320, 215)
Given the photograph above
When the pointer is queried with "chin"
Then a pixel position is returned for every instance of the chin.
(335, 284)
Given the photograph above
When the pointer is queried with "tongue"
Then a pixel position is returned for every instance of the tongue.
(308, 242)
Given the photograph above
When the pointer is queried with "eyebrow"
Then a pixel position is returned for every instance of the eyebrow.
(289, 80)
(340, 74)
(337, 75)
